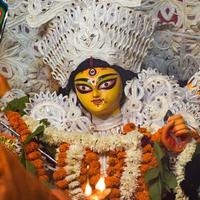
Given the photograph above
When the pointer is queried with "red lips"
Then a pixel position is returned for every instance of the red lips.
(97, 101)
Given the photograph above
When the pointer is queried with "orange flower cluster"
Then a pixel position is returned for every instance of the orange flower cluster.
(149, 161)
(128, 128)
(31, 149)
(60, 173)
(90, 169)
(114, 171)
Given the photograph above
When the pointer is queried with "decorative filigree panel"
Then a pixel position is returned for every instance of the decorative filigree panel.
(176, 48)
(175, 51)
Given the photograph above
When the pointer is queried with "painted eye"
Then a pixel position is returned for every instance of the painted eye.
(82, 88)
(108, 84)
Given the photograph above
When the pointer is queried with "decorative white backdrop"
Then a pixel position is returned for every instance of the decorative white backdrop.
(175, 51)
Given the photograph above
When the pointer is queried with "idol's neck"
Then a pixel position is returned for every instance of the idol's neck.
(110, 125)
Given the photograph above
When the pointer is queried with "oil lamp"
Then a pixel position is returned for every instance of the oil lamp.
(100, 192)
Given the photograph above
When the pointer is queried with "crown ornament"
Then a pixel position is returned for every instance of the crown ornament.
(108, 30)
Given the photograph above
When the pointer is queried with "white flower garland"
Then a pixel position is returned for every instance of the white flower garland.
(131, 172)
(74, 157)
(101, 143)
(182, 159)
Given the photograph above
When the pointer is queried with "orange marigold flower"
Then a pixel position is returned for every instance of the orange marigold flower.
(142, 195)
(147, 157)
(93, 171)
(34, 155)
(10, 113)
(15, 126)
(84, 170)
(147, 148)
(41, 171)
(21, 122)
(30, 147)
(62, 184)
(128, 128)
(38, 163)
(154, 162)
(62, 155)
(23, 138)
(112, 154)
(119, 165)
(112, 181)
(21, 128)
(140, 181)
(59, 174)
(94, 164)
(111, 171)
(91, 156)
(43, 178)
(115, 193)
(14, 123)
(64, 147)
(142, 130)
(113, 161)
(144, 168)
(61, 162)
(114, 172)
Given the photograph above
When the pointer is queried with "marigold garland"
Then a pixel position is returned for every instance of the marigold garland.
(90, 169)
(60, 173)
(31, 149)
(114, 171)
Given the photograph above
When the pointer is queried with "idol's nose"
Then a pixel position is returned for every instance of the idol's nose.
(96, 93)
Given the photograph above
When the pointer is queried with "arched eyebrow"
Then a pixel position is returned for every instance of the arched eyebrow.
(106, 75)
(82, 79)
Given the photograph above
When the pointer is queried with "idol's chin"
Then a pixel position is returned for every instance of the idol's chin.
(103, 113)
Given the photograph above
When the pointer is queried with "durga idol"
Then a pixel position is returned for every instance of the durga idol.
(94, 51)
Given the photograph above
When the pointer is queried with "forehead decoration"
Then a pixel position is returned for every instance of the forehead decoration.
(92, 72)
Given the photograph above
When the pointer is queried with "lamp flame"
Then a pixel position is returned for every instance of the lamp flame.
(101, 186)
(88, 190)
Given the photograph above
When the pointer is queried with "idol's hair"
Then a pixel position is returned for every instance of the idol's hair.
(92, 63)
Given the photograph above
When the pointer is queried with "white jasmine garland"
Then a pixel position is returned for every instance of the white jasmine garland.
(74, 157)
(131, 171)
(182, 159)
(98, 143)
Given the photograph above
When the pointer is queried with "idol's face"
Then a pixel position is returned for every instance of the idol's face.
(99, 90)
